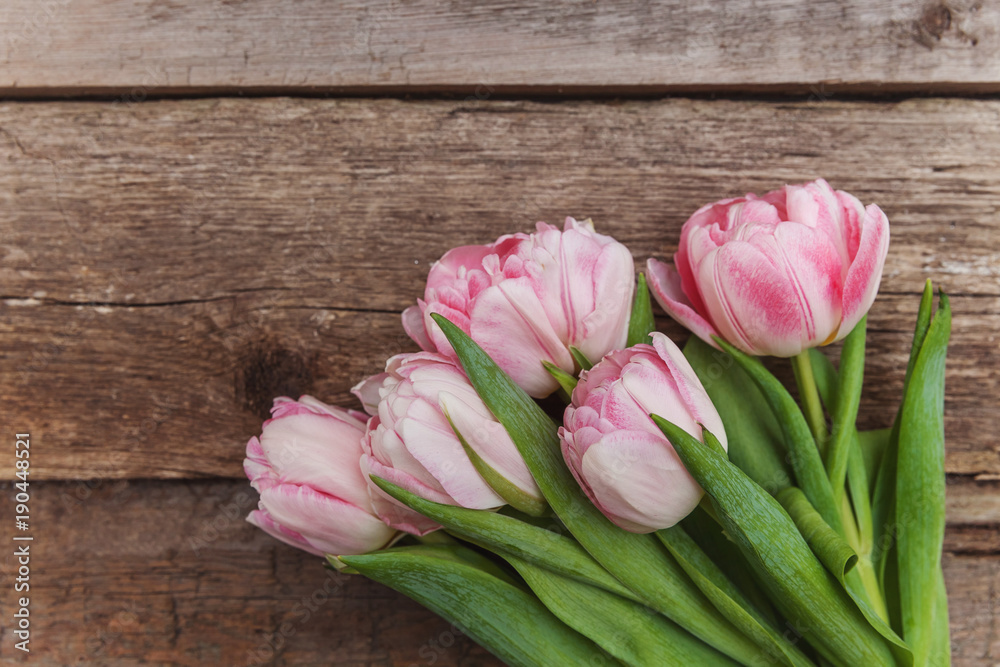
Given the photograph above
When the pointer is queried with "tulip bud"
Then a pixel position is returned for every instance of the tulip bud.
(778, 274)
(620, 458)
(422, 400)
(313, 496)
(528, 298)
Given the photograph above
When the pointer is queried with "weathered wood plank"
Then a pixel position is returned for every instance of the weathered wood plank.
(168, 266)
(148, 47)
(335, 201)
(175, 391)
(153, 573)
(168, 572)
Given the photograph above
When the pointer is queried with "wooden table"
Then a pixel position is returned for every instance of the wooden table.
(206, 204)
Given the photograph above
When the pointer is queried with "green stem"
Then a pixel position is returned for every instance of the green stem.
(864, 570)
(809, 396)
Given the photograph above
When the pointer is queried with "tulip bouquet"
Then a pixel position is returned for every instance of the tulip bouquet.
(569, 487)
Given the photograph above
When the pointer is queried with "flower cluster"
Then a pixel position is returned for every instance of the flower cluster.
(672, 475)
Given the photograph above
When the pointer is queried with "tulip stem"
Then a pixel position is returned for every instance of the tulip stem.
(809, 396)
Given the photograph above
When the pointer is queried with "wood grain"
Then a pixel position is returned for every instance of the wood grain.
(169, 267)
(169, 572)
(141, 48)
(154, 573)
(175, 391)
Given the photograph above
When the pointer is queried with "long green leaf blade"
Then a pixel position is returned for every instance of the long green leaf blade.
(836, 555)
(920, 486)
(506, 535)
(884, 497)
(940, 653)
(641, 322)
(511, 623)
(845, 414)
(631, 632)
(801, 446)
(728, 599)
(710, 536)
(808, 596)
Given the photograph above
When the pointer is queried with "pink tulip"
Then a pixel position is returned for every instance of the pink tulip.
(778, 274)
(620, 458)
(527, 298)
(411, 443)
(312, 493)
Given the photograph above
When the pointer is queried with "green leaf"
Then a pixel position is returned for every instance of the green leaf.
(511, 623)
(884, 497)
(922, 328)
(581, 359)
(920, 486)
(805, 592)
(504, 488)
(631, 632)
(506, 535)
(638, 561)
(862, 583)
(729, 599)
(852, 373)
(641, 323)
(940, 653)
(455, 552)
(873, 445)
(836, 555)
(806, 461)
(566, 381)
(710, 537)
(753, 433)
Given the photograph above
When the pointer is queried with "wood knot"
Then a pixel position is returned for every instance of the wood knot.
(268, 369)
(936, 20)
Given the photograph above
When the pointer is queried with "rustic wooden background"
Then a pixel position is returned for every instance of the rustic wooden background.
(204, 204)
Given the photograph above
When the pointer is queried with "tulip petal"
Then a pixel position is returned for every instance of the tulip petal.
(346, 415)
(385, 446)
(263, 520)
(624, 399)
(630, 473)
(456, 263)
(437, 449)
(814, 268)
(577, 258)
(612, 282)
(490, 441)
(853, 216)
(865, 274)
(415, 327)
(437, 339)
(367, 391)
(390, 510)
(255, 452)
(691, 390)
(256, 467)
(317, 450)
(665, 284)
(758, 301)
(511, 312)
(327, 523)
